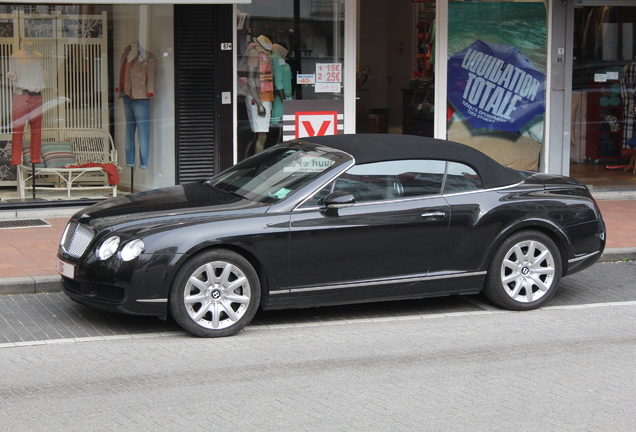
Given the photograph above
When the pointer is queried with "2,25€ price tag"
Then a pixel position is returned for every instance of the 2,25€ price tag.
(328, 72)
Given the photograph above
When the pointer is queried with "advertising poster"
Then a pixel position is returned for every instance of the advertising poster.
(496, 79)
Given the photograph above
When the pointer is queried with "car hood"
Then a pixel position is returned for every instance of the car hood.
(167, 206)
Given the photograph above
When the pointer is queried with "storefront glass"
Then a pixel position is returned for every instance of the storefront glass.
(603, 130)
(395, 85)
(496, 79)
(290, 71)
(86, 91)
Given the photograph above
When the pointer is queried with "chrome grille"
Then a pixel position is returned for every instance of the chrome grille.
(76, 239)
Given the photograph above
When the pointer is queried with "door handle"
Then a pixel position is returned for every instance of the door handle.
(434, 214)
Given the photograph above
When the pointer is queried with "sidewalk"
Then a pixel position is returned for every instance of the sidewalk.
(27, 255)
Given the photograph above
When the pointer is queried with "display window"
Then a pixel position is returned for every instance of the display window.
(290, 71)
(496, 79)
(603, 130)
(86, 100)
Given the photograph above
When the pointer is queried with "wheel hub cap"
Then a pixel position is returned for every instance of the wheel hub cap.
(527, 271)
(217, 295)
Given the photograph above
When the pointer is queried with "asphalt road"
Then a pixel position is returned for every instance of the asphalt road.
(440, 365)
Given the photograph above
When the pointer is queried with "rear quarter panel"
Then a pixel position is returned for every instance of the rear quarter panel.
(480, 221)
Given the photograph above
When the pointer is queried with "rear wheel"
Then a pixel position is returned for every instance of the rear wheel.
(525, 271)
(216, 293)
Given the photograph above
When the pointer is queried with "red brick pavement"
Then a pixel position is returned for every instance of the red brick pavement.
(31, 251)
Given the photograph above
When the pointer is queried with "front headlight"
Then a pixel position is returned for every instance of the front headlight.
(108, 248)
(132, 250)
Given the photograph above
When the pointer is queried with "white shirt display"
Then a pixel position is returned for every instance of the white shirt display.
(26, 69)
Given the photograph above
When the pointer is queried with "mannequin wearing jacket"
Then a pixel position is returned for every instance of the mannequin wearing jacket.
(136, 87)
(282, 81)
(26, 70)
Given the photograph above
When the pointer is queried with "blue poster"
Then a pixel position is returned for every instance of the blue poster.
(495, 86)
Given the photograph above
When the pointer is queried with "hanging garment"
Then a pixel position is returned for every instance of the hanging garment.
(628, 93)
(137, 77)
(258, 58)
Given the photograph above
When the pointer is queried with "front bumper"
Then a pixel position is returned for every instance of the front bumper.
(139, 287)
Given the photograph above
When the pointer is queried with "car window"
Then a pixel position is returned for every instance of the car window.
(387, 181)
(461, 178)
(276, 173)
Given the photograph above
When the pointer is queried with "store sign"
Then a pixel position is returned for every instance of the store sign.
(495, 86)
(308, 118)
(316, 123)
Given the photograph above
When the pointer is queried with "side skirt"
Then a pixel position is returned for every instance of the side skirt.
(439, 284)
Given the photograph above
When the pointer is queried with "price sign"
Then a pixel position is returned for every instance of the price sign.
(328, 72)
(305, 79)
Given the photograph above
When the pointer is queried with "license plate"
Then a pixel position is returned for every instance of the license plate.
(66, 269)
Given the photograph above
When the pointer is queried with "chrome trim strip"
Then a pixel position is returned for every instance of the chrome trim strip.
(159, 300)
(573, 260)
(454, 275)
(485, 190)
(406, 279)
(405, 199)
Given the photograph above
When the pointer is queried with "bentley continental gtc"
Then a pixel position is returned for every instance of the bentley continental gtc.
(328, 221)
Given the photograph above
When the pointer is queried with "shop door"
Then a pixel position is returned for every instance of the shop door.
(395, 85)
(604, 95)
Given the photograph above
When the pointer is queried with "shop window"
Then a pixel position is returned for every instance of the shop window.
(61, 69)
(290, 71)
(496, 78)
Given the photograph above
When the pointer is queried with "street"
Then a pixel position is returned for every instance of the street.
(438, 364)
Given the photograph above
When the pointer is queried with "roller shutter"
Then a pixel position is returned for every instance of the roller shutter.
(196, 113)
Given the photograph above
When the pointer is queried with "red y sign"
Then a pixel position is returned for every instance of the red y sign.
(316, 123)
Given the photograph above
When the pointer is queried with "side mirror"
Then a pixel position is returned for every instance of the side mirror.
(339, 199)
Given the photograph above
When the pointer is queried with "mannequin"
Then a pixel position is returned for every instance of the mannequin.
(26, 71)
(260, 87)
(136, 87)
(282, 81)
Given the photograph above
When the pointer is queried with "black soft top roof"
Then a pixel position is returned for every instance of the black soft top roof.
(367, 148)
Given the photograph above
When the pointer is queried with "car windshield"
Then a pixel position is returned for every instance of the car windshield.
(276, 173)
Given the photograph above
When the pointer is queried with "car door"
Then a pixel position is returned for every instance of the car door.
(385, 241)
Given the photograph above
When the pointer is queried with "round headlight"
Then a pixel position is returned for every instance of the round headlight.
(108, 248)
(132, 250)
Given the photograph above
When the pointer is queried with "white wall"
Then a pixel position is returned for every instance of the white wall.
(152, 26)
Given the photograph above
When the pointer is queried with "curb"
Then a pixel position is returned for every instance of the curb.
(30, 285)
(618, 254)
(51, 284)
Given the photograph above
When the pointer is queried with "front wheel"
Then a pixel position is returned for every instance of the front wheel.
(525, 271)
(215, 293)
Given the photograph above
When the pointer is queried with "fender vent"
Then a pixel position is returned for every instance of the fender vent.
(25, 223)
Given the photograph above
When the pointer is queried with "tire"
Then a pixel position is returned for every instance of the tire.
(525, 271)
(215, 294)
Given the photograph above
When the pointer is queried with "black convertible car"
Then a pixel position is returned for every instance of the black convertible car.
(332, 220)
